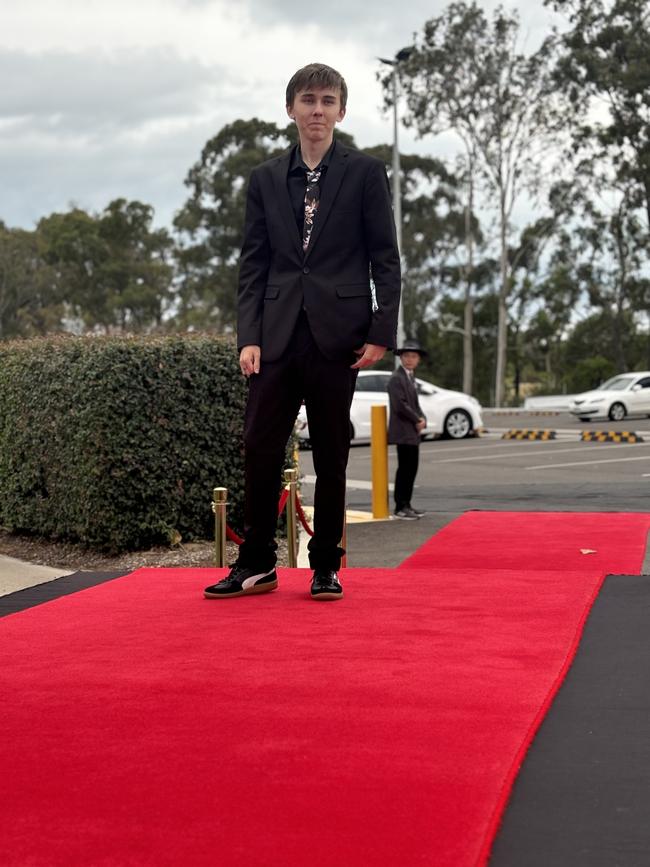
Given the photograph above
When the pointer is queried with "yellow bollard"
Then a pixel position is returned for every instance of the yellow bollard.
(291, 478)
(219, 503)
(379, 450)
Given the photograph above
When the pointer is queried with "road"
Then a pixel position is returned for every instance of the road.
(491, 473)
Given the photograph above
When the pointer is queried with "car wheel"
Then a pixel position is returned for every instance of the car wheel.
(351, 431)
(617, 412)
(458, 424)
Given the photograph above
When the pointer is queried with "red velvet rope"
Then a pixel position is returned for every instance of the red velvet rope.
(283, 501)
(232, 536)
(303, 518)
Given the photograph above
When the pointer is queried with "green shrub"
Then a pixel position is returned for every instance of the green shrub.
(118, 442)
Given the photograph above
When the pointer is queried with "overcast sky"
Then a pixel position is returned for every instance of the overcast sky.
(108, 99)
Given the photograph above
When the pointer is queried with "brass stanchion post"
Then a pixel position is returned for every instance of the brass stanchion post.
(379, 451)
(219, 503)
(344, 538)
(291, 478)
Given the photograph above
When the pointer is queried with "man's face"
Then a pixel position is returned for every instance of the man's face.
(410, 360)
(316, 113)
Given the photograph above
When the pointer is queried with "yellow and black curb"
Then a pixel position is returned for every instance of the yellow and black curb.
(516, 434)
(610, 436)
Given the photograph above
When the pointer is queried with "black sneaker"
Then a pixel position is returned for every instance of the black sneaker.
(242, 582)
(325, 585)
(407, 514)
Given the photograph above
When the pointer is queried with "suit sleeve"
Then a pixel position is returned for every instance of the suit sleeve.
(399, 401)
(379, 227)
(254, 265)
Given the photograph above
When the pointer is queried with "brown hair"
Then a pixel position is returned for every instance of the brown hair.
(316, 75)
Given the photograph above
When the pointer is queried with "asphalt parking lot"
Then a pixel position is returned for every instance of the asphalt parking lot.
(489, 472)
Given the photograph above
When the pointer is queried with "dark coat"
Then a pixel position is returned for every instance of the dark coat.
(353, 233)
(405, 409)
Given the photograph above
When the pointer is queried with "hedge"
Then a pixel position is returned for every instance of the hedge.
(118, 442)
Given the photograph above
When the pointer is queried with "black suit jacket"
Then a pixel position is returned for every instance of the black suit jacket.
(353, 234)
(405, 409)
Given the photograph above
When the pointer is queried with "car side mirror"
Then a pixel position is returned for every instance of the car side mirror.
(425, 389)
(637, 387)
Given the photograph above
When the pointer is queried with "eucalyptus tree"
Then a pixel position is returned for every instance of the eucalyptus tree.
(112, 271)
(604, 67)
(603, 248)
(29, 303)
(466, 74)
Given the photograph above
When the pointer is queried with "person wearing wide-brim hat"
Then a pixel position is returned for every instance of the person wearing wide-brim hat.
(405, 425)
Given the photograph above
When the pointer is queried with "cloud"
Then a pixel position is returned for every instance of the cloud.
(118, 99)
(86, 128)
(83, 90)
(42, 175)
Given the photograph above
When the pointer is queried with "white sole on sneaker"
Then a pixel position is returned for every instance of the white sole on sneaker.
(249, 587)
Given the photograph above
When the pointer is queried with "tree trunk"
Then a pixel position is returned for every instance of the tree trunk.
(468, 323)
(468, 355)
(502, 323)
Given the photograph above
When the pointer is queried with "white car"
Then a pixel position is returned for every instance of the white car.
(448, 413)
(622, 395)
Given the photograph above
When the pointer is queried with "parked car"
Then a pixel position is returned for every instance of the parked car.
(622, 395)
(448, 413)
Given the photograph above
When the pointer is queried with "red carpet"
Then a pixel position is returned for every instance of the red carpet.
(144, 725)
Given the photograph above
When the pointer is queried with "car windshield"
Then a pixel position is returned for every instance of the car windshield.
(372, 382)
(616, 383)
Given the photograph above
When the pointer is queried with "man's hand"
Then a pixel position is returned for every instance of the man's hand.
(369, 354)
(249, 360)
(420, 426)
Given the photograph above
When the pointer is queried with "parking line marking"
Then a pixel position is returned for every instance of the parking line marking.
(579, 447)
(354, 484)
(588, 463)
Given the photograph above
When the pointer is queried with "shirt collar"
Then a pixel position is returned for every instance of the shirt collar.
(297, 164)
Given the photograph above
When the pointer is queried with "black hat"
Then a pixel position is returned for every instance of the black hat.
(411, 346)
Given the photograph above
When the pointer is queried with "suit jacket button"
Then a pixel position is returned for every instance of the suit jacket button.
(305, 270)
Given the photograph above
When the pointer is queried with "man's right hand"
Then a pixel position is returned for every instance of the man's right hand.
(249, 360)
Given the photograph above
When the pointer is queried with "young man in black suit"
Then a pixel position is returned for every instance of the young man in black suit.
(319, 226)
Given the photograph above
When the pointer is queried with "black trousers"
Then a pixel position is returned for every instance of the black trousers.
(407, 467)
(274, 398)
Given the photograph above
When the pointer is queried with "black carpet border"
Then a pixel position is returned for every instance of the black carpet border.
(30, 597)
(582, 798)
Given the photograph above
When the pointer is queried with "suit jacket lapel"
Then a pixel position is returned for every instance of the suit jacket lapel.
(284, 202)
(335, 173)
(409, 383)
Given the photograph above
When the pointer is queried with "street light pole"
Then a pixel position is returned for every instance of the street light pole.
(397, 204)
(397, 192)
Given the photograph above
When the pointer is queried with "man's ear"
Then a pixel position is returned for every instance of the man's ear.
(290, 112)
(341, 115)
